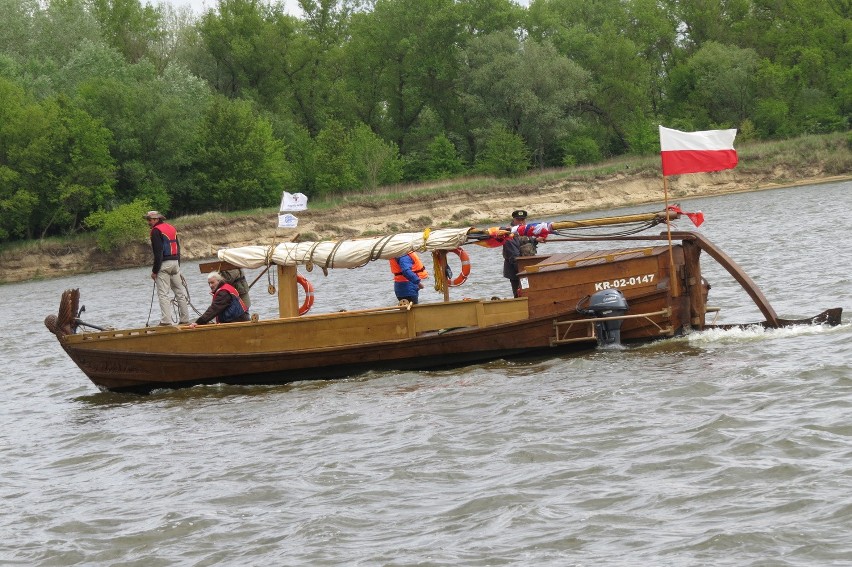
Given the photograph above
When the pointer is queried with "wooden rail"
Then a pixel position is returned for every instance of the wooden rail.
(591, 322)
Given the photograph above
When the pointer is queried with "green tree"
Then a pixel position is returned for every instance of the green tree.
(156, 120)
(600, 36)
(249, 45)
(802, 42)
(334, 173)
(128, 26)
(120, 226)
(503, 153)
(702, 21)
(580, 150)
(60, 29)
(302, 154)
(56, 166)
(241, 164)
(374, 161)
(526, 88)
(76, 171)
(17, 202)
(401, 59)
(771, 118)
(716, 86)
(442, 159)
(482, 17)
(311, 65)
(16, 27)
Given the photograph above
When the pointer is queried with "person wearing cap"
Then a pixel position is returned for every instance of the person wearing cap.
(166, 269)
(514, 247)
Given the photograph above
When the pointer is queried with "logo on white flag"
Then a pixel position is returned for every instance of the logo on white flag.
(287, 221)
(293, 202)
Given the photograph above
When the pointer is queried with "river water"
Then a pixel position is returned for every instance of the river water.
(724, 448)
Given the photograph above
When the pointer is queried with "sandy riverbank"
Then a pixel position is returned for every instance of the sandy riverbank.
(201, 240)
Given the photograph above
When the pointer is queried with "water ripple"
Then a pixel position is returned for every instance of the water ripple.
(719, 448)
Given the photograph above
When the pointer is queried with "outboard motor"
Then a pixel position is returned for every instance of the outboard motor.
(606, 303)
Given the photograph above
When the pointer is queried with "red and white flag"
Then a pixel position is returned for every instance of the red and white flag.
(694, 152)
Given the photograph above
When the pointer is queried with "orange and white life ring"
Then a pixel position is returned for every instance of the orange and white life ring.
(308, 288)
(465, 267)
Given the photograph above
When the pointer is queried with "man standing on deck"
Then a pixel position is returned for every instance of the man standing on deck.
(514, 247)
(166, 269)
(408, 271)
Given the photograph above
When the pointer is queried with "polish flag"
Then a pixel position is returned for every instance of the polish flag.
(694, 152)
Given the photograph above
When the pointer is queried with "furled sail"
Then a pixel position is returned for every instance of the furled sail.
(350, 253)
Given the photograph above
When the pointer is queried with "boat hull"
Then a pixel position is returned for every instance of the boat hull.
(663, 287)
(128, 370)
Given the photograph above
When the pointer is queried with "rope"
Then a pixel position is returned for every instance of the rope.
(151, 308)
(188, 299)
(378, 248)
(174, 303)
(630, 228)
(270, 281)
(439, 270)
(329, 261)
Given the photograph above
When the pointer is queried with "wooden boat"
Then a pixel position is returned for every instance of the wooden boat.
(627, 288)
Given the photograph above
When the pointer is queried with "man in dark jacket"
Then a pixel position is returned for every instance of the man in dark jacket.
(226, 307)
(514, 247)
(166, 269)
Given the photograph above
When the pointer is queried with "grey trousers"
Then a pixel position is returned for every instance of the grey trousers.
(169, 278)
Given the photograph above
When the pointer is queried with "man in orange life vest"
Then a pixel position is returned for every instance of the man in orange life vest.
(166, 269)
(408, 271)
(226, 307)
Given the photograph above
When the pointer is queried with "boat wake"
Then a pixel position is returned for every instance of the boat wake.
(758, 333)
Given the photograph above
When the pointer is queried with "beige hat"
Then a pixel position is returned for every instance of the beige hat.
(153, 215)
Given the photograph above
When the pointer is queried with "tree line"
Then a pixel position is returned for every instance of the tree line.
(110, 107)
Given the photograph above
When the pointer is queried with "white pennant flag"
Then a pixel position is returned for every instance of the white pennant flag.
(287, 221)
(293, 202)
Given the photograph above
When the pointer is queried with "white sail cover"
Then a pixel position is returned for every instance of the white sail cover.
(350, 253)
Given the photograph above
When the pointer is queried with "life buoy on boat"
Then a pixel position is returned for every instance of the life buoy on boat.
(308, 288)
(465, 267)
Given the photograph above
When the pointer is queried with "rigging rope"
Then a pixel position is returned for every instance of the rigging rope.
(627, 230)
(173, 302)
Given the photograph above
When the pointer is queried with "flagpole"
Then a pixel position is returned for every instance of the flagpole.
(692, 152)
(675, 288)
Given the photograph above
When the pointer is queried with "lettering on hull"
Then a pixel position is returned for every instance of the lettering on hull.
(106, 367)
(621, 283)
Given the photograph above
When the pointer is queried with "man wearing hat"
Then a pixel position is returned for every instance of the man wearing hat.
(166, 269)
(514, 247)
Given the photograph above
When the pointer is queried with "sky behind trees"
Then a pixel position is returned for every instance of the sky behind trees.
(199, 6)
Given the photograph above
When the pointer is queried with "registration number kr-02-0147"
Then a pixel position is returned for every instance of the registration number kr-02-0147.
(625, 282)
